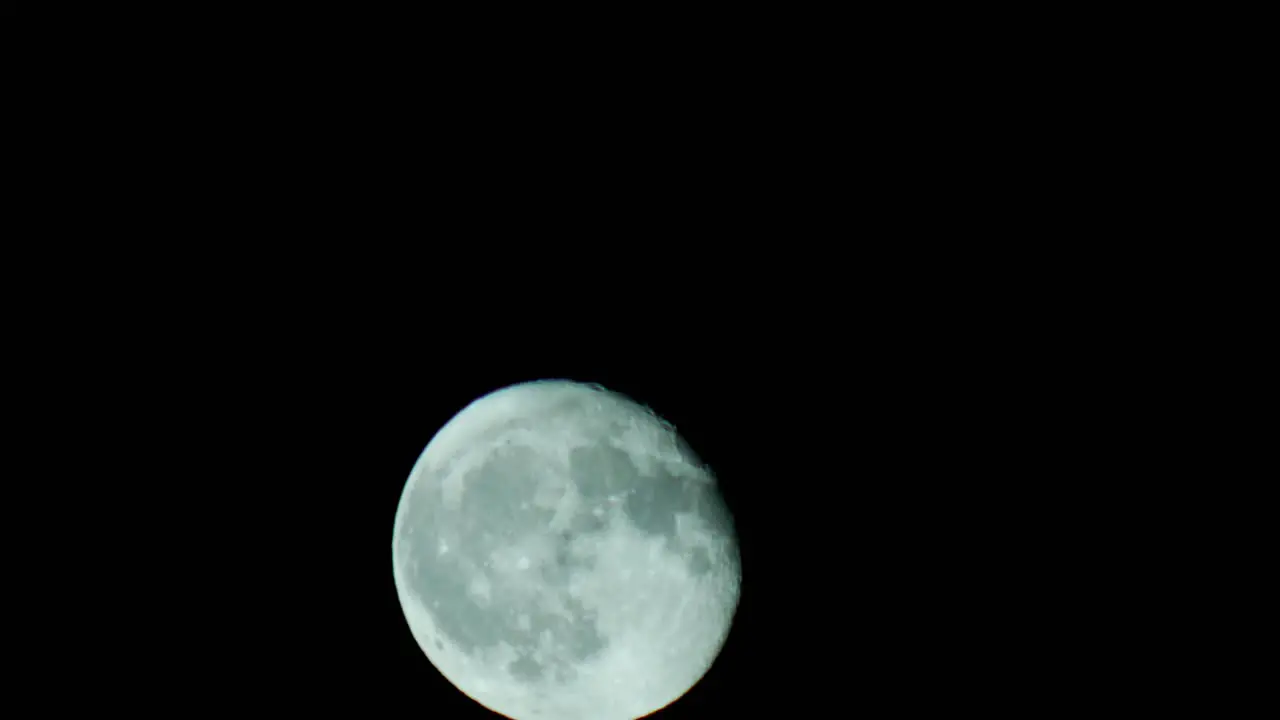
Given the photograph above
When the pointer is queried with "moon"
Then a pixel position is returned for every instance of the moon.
(561, 553)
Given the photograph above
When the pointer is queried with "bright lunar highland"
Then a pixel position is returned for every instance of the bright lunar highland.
(560, 553)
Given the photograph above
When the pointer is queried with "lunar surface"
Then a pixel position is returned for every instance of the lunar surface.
(560, 553)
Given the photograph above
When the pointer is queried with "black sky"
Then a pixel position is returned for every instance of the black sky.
(866, 267)
(874, 480)
(884, 452)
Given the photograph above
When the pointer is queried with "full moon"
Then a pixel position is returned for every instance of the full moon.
(561, 553)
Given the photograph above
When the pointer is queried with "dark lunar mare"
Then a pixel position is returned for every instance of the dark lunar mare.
(491, 518)
(652, 499)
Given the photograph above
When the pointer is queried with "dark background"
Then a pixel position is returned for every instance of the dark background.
(899, 489)
(894, 437)
(882, 472)
(262, 284)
